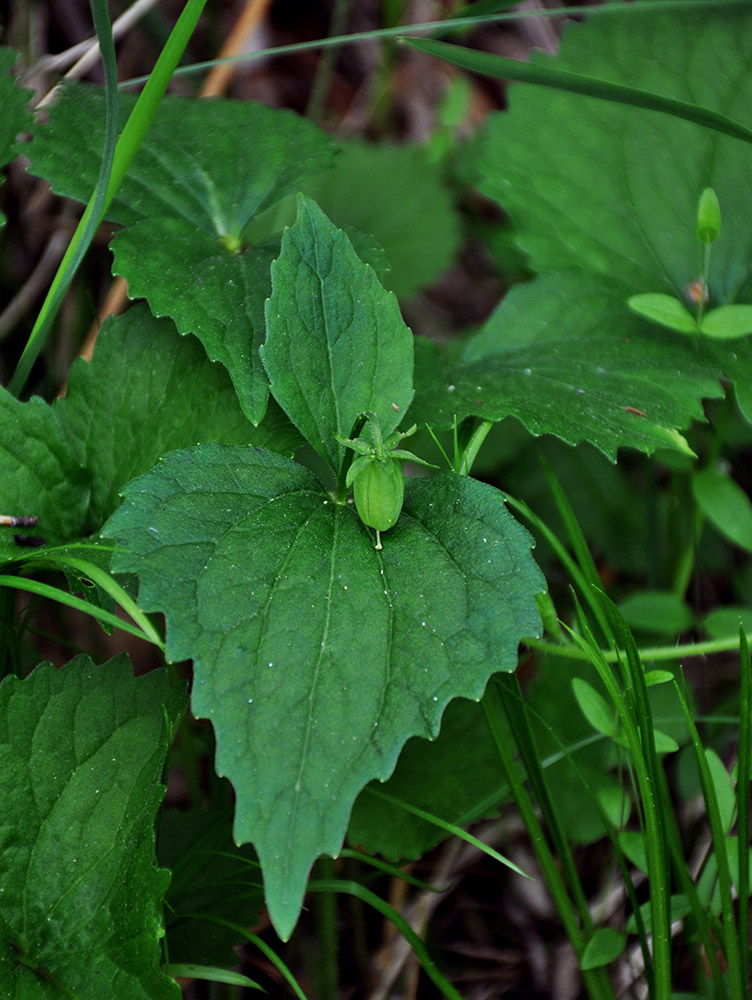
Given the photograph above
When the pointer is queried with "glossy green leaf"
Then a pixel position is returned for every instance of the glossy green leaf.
(726, 506)
(147, 390)
(82, 751)
(604, 947)
(191, 165)
(307, 640)
(665, 310)
(14, 115)
(336, 343)
(39, 475)
(727, 322)
(565, 356)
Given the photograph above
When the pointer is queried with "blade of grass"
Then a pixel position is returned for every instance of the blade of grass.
(419, 949)
(457, 23)
(62, 597)
(489, 64)
(596, 982)
(457, 831)
(519, 721)
(736, 986)
(660, 893)
(92, 216)
(743, 778)
(110, 586)
(576, 575)
(114, 167)
(244, 934)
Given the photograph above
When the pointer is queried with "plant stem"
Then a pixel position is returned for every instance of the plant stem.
(325, 907)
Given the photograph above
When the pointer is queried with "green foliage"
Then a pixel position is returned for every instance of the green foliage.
(82, 752)
(327, 664)
(342, 622)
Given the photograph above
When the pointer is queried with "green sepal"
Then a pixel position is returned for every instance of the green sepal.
(357, 467)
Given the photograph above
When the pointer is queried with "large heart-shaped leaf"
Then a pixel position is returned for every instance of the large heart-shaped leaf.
(317, 656)
(82, 751)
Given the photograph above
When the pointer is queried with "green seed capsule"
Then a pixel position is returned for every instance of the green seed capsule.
(379, 491)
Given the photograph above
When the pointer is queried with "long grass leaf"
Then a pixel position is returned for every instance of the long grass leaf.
(743, 778)
(490, 64)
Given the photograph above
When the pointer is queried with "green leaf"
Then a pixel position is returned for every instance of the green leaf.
(595, 708)
(723, 623)
(564, 356)
(659, 611)
(39, 475)
(412, 217)
(14, 116)
(186, 274)
(604, 947)
(315, 656)
(724, 789)
(81, 756)
(632, 843)
(211, 974)
(191, 165)
(728, 322)
(621, 197)
(455, 777)
(336, 344)
(664, 310)
(726, 506)
(147, 391)
(215, 886)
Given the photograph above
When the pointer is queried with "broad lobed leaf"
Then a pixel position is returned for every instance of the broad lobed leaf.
(190, 166)
(81, 756)
(565, 356)
(316, 656)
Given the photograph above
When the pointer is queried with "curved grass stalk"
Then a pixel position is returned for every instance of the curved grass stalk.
(115, 163)
(55, 594)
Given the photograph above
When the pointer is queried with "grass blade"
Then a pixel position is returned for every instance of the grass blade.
(576, 83)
